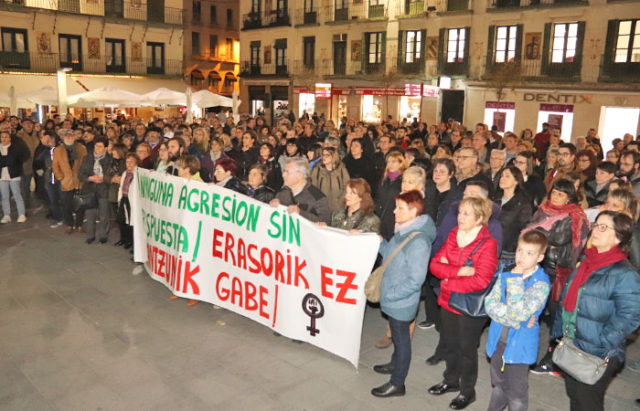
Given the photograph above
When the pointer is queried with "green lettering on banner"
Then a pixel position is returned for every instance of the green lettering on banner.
(285, 227)
(159, 192)
(182, 200)
(197, 247)
(173, 235)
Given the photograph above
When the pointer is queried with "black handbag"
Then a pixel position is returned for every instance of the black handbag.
(472, 304)
(84, 201)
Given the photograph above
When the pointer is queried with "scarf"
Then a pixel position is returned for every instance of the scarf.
(71, 153)
(592, 262)
(393, 175)
(97, 167)
(401, 226)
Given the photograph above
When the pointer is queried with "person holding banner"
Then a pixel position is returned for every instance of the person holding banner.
(357, 213)
(123, 216)
(256, 187)
(401, 284)
(225, 175)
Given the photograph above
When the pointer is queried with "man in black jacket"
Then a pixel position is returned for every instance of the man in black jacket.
(94, 175)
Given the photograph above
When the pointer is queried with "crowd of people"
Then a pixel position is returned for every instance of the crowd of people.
(546, 228)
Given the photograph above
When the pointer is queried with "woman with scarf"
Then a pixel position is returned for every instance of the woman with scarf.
(123, 216)
(268, 158)
(209, 159)
(600, 305)
(566, 226)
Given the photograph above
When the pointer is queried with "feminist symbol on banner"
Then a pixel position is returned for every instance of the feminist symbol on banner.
(312, 306)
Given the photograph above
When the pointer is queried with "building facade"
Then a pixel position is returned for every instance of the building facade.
(211, 45)
(513, 63)
(135, 45)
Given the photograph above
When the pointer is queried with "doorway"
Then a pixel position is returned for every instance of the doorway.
(452, 105)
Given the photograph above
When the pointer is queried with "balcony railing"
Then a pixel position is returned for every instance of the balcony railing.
(358, 11)
(505, 4)
(307, 16)
(117, 9)
(533, 70)
(251, 70)
(50, 63)
(411, 8)
(270, 18)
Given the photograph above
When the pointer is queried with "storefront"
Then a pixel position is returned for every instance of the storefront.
(501, 114)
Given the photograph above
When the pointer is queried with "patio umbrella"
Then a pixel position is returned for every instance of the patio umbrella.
(164, 97)
(4, 99)
(106, 96)
(205, 98)
(46, 96)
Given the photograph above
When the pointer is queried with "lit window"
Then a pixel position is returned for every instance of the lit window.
(455, 45)
(628, 43)
(375, 48)
(506, 44)
(565, 40)
(413, 47)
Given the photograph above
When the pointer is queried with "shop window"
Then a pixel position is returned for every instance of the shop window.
(371, 109)
(410, 107)
(562, 55)
(558, 116)
(616, 122)
(307, 104)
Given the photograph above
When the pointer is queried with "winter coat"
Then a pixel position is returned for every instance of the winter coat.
(608, 309)
(438, 210)
(405, 274)
(244, 160)
(86, 171)
(274, 174)
(485, 261)
(63, 171)
(361, 168)
(17, 152)
(385, 204)
(31, 142)
(526, 298)
(369, 223)
(234, 184)
(313, 205)
(515, 215)
(450, 221)
(595, 198)
(117, 167)
(332, 184)
(263, 193)
(208, 166)
(534, 186)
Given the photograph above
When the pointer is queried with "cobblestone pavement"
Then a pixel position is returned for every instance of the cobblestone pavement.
(79, 332)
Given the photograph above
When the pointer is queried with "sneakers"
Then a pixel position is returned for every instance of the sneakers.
(138, 269)
(6, 219)
(425, 325)
(56, 224)
(545, 368)
(21, 218)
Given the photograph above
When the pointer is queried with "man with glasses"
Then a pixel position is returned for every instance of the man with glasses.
(467, 167)
(630, 169)
(565, 163)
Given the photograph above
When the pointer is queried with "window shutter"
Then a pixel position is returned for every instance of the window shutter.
(423, 48)
(610, 46)
(490, 44)
(365, 52)
(383, 56)
(402, 46)
(519, 36)
(577, 64)
(467, 41)
(441, 50)
(546, 46)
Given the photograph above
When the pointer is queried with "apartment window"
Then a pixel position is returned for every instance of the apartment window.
(255, 6)
(229, 18)
(213, 15)
(213, 79)
(413, 46)
(628, 42)
(196, 11)
(195, 43)
(280, 46)
(374, 47)
(562, 49)
(309, 51)
(229, 42)
(70, 51)
(155, 58)
(255, 55)
(506, 44)
(15, 48)
(114, 55)
(213, 45)
(456, 40)
(565, 40)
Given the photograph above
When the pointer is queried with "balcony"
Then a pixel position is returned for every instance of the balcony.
(373, 68)
(366, 10)
(113, 9)
(50, 63)
(416, 67)
(271, 18)
(411, 8)
(307, 16)
(612, 72)
(533, 70)
(256, 70)
(507, 4)
(321, 67)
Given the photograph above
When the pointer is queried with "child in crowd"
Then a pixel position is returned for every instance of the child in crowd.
(514, 305)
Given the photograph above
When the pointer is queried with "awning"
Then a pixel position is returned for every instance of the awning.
(230, 77)
(197, 75)
(214, 75)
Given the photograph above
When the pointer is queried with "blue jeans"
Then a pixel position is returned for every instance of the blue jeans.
(53, 195)
(14, 186)
(401, 358)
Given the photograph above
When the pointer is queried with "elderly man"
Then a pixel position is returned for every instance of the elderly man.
(496, 164)
(30, 137)
(67, 158)
(468, 167)
(299, 195)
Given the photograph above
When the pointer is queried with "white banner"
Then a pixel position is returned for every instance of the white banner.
(208, 243)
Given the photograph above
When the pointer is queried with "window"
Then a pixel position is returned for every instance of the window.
(16, 48)
(456, 45)
(196, 11)
(213, 45)
(374, 47)
(506, 44)
(114, 55)
(255, 57)
(155, 58)
(280, 47)
(213, 15)
(255, 6)
(229, 48)
(70, 51)
(564, 43)
(309, 49)
(413, 51)
(196, 79)
(195, 43)
(229, 18)
(213, 79)
(628, 42)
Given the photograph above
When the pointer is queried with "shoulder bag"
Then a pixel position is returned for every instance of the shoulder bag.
(372, 286)
(472, 304)
(584, 367)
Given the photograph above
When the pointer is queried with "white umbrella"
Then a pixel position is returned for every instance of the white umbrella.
(164, 97)
(106, 96)
(189, 95)
(4, 99)
(46, 96)
(205, 98)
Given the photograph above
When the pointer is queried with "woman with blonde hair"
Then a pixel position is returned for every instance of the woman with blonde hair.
(331, 177)
(201, 141)
(389, 188)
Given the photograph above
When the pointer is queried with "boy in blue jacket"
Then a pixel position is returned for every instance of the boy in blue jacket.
(514, 305)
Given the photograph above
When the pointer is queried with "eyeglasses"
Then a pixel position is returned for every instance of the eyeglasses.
(460, 157)
(564, 154)
(601, 227)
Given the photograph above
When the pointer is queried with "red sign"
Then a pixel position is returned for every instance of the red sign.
(558, 108)
(323, 91)
(430, 91)
(413, 90)
(299, 89)
(501, 105)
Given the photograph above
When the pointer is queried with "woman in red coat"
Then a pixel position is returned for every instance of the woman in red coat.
(460, 333)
